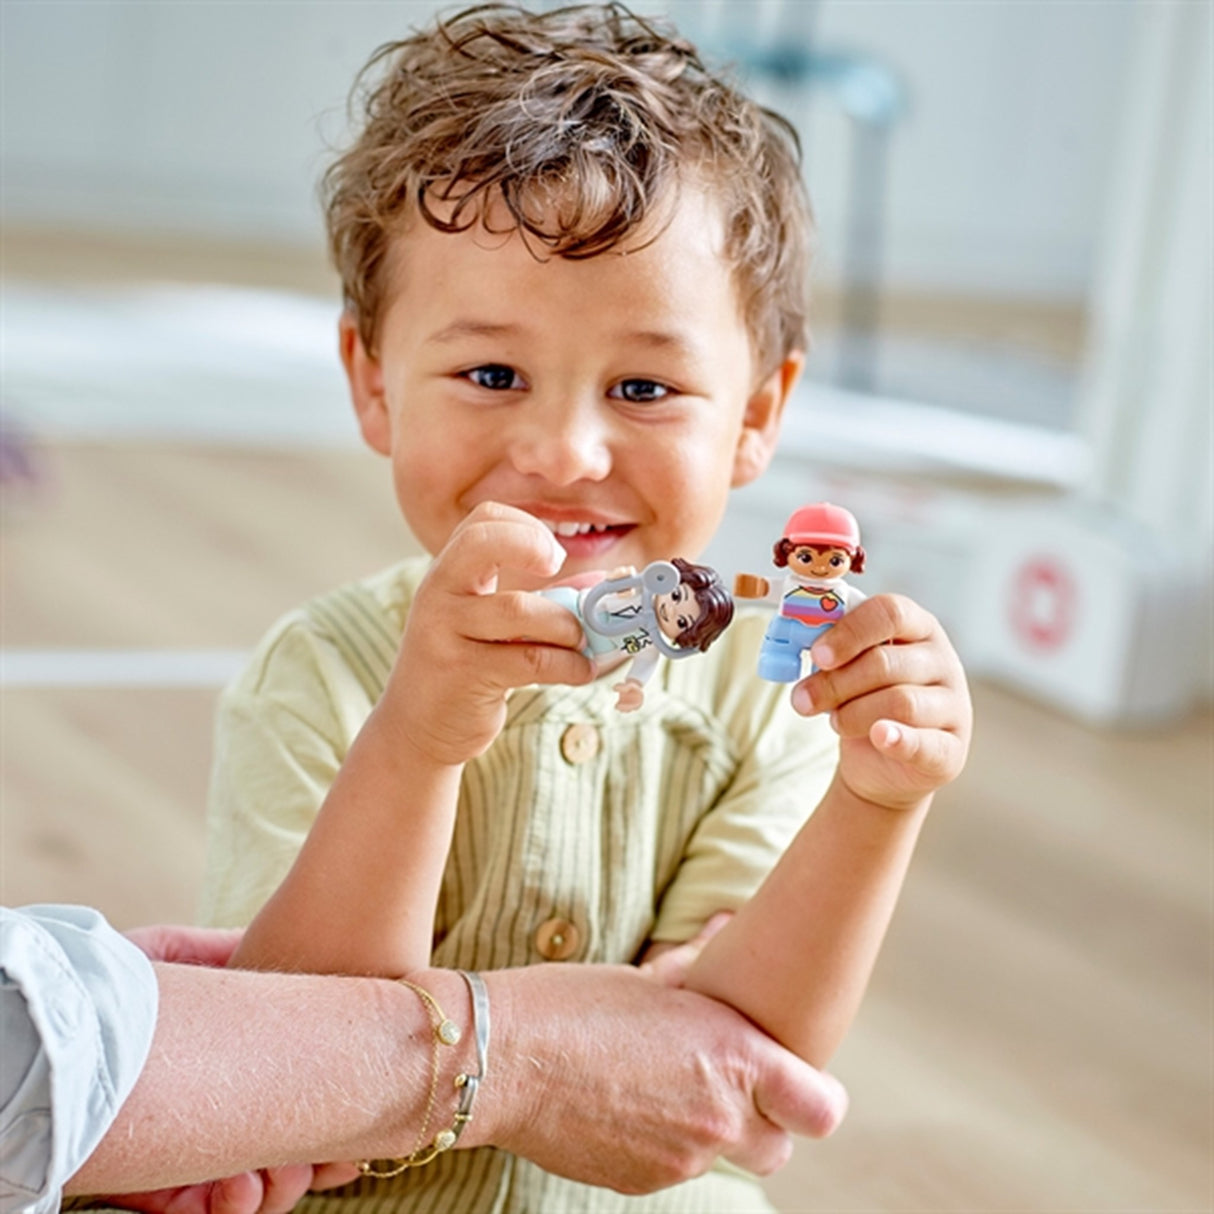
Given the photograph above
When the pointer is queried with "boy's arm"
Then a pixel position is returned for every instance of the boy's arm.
(797, 958)
(361, 895)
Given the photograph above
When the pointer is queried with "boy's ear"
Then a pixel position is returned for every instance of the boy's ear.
(366, 379)
(761, 421)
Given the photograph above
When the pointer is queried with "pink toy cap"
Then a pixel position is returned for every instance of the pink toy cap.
(824, 525)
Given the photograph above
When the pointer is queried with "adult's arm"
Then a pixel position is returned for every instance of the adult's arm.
(598, 1073)
(77, 1010)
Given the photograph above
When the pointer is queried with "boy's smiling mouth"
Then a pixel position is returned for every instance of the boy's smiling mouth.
(584, 540)
(570, 529)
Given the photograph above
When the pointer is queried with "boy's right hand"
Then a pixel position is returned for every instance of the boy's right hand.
(467, 644)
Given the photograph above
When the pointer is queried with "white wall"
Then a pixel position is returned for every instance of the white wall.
(999, 172)
(206, 116)
(198, 116)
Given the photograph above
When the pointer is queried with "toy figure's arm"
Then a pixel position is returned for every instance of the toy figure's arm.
(758, 589)
(852, 597)
(630, 691)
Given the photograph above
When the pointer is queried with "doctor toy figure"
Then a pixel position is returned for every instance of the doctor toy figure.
(820, 546)
(672, 608)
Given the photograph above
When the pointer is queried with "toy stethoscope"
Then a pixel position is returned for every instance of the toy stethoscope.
(658, 577)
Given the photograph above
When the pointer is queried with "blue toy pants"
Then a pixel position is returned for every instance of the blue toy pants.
(786, 640)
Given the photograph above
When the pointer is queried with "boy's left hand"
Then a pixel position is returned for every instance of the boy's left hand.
(897, 697)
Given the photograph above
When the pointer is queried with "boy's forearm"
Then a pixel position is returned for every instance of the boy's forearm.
(797, 957)
(361, 896)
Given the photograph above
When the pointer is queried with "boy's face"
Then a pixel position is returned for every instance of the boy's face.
(616, 398)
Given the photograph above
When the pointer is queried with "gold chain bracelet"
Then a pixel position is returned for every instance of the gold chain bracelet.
(446, 1032)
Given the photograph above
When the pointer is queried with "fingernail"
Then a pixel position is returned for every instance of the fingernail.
(893, 735)
(802, 700)
(822, 655)
(839, 1098)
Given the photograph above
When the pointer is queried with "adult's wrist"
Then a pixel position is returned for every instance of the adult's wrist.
(416, 1017)
(511, 1095)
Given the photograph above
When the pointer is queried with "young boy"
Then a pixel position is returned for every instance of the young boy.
(575, 267)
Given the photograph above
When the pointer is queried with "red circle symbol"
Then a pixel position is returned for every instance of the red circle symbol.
(1042, 609)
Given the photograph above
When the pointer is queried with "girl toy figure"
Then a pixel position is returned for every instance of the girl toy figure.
(672, 608)
(819, 547)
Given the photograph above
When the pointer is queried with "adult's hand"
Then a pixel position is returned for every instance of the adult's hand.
(187, 945)
(270, 1191)
(671, 963)
(609, 1077)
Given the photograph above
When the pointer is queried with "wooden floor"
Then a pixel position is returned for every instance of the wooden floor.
(1038, 1034)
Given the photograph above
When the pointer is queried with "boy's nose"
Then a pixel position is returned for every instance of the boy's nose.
(562, 444)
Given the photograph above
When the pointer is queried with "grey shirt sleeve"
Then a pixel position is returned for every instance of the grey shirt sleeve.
(77, 1011)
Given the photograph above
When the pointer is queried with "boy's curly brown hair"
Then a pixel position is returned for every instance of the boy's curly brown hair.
(581, 121)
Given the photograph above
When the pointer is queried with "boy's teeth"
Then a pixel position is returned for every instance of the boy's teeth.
(577, 528)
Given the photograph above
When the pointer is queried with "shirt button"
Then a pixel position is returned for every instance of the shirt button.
(580, 743)
(557, 939)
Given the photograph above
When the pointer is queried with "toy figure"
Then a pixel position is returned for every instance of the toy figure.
(673, 608)
(820, 545)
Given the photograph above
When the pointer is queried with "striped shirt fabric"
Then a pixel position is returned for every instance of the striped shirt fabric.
(621, 828)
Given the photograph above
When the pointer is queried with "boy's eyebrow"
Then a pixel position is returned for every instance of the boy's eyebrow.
(473, 328)
(660, 338)
(458, 330)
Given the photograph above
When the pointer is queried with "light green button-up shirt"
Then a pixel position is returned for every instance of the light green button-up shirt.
(625, 828)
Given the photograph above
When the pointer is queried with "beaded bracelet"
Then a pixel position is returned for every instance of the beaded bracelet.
(446, 1032)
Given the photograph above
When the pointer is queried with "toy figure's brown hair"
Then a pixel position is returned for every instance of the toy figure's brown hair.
(716, 605)
(785, 548)
(581, 121)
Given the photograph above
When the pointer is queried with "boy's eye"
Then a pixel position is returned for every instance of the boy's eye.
(640, 391)
(496, 377)
(836, 561)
